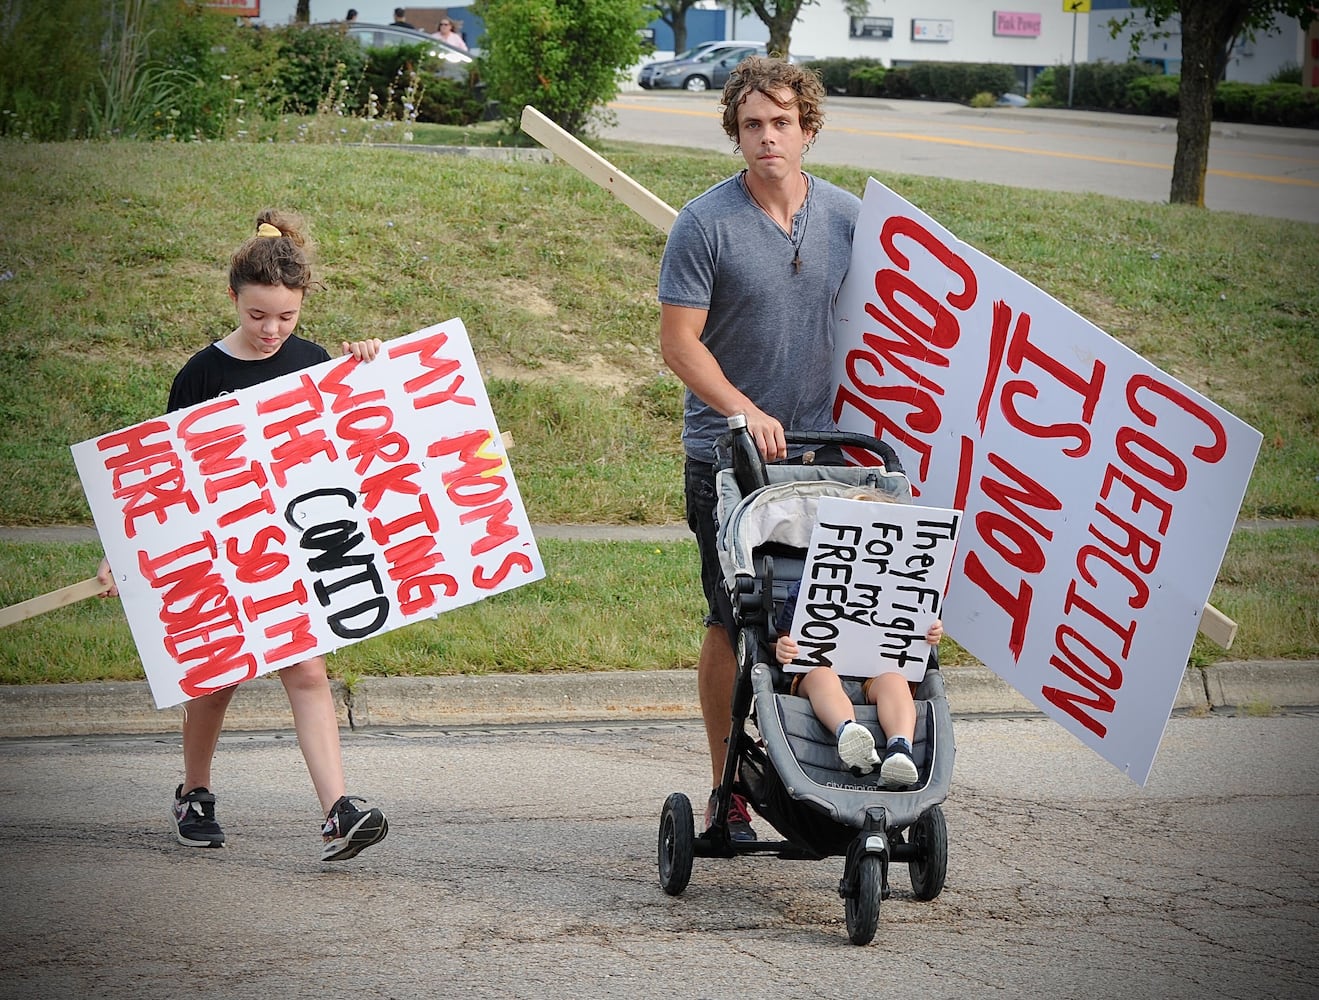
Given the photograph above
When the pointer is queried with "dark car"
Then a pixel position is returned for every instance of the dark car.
(709, 69)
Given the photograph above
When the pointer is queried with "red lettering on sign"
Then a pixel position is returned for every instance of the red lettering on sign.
(395, 479)
(900, 226)
(1210, 453)
(202, 625)
(1079, 670)
(342, 396)
(257, 563)
(368, 431)
(299, 448)
(147, 475)
(437, 367)
(511, 561)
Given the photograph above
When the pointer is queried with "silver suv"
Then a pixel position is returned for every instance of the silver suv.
(710, 69)
(650, 71)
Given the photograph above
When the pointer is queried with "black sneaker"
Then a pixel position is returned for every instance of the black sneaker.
(739, 818)
(194, 819)
(348, 830)
(898, 769)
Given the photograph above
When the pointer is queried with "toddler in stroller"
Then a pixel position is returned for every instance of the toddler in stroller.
(780, 756)
(832, 699)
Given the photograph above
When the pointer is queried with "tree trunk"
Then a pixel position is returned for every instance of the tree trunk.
(303, 14)
(1208, 26)
(679, 27)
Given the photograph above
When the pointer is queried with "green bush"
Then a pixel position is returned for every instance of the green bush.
(866, 81)
(49, 67)
(1102, 85)
(897, 85)
(946, 81)
(307, 61)
(1041, 92)
(1267, 104)
(836, 73)
(564, 57)
(1154, 95)
(1288, 72)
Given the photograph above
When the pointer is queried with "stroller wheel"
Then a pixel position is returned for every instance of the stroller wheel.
(677, 844)
(929, 842)
(863, 906)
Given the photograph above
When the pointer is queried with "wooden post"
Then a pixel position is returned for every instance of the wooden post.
(49, 602)
(597, 169)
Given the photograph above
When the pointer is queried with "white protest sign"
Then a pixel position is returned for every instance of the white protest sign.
(872, 586)
(1099, 493)
(307, 513)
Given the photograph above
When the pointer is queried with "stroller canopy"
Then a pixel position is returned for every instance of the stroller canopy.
(784, 512)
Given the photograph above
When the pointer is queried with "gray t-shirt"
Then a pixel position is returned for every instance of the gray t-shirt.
(769, 326)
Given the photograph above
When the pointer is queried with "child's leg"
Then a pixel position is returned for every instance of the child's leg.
(202, 720)
(317, 726)
(824, 689)
(833, 707)
(891, 696)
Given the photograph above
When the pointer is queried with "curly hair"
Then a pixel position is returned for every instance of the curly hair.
(769, 76)
(267, 259)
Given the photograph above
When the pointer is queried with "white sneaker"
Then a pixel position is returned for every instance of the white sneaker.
(898, 770)
(857, 747)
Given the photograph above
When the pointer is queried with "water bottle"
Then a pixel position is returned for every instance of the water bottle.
(748, 466)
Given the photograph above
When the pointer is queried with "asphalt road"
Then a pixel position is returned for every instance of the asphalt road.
(521, 863)
(1257, 170)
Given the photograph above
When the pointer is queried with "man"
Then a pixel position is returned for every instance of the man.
(746, 289)
(399, 22)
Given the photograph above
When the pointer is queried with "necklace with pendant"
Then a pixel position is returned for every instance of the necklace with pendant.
(804, 211)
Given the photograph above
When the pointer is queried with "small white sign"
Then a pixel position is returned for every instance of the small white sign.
(873, 584)
(931, 29)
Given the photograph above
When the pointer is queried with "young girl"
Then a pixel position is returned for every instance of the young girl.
(832, 700)
(269, 276)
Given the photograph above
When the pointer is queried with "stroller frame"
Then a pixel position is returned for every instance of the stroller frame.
(791, 774)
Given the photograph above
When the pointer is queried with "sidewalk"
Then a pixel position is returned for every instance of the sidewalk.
(126, 708)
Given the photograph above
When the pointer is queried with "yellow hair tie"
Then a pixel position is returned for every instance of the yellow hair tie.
(269, 231)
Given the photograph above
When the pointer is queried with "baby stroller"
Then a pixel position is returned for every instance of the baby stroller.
(791, 772)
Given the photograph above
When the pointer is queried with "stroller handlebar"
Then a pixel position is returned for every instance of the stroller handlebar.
(849, 439)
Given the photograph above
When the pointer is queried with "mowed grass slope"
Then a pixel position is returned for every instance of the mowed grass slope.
(114, 260)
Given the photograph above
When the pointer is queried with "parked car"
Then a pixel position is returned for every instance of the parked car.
(457, 63)
(710, 69)
(647, 75)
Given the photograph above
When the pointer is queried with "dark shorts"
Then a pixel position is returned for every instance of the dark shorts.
(702, 502)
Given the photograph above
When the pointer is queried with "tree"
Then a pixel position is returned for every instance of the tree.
(563, 57)
(780, 15)
(1209, 29)
(674, 14)
(303, 14)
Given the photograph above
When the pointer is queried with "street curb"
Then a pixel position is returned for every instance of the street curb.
(125, 708)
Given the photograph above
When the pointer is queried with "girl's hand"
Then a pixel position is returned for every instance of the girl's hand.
(785, 649)
(363, 350)
(104, 576)
(934, 633)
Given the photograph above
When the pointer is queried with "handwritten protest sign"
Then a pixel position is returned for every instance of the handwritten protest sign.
(307, 513)
(1099, 493)
(872, 585)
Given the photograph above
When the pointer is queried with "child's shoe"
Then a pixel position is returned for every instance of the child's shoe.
(194, 819)
(898, 769)
(857, 747)
(348, 830)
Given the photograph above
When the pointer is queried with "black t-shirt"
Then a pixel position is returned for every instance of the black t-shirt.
(211, 372)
